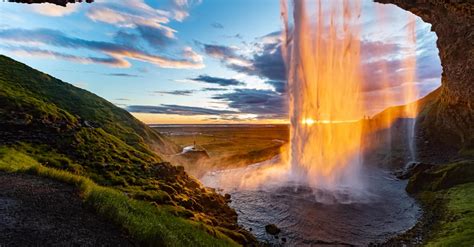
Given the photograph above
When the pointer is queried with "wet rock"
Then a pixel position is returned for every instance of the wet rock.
(441, 177)
(412, 169)
(194, 156)
(272, 229)
(180, 170)
(227, 198)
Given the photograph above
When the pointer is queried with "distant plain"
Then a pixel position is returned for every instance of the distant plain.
(227, 146)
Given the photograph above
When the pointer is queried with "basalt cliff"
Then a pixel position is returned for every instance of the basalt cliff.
(447, 119)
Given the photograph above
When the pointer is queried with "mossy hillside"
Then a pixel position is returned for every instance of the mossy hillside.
(34, 95)
(67, 128)
(147, 224)
(446, 193)
(442, 177)
(456, 227)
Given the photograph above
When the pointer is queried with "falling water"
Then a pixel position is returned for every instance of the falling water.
(321, 46)
(410, 92)
(323, 59)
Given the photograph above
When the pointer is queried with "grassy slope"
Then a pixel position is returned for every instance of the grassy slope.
(146, 223)
(39, 95)
(68, 128)
(446, 193)
(456, 228)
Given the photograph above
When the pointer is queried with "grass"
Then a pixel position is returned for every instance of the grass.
(457, 226)
(446, 193)
(67, 128)
(40, 96)
(148, 224)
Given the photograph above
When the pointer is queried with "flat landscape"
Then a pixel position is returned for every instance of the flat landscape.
(227, 146)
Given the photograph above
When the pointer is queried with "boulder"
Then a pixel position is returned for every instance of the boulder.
(272, 229)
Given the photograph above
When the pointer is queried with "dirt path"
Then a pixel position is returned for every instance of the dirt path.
(41, 212)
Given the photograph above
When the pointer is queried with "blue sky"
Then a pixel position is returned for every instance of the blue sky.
(185, 61)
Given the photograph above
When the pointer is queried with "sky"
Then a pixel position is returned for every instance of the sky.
(198, 61)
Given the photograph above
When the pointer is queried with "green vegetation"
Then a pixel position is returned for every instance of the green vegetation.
(456, 228)
(40, 97)
(146, 223)
(447, 194)
(442, 177)
(72, 130)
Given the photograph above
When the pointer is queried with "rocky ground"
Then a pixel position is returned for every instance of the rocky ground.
(37, 211)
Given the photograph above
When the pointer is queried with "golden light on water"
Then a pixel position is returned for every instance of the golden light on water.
(310, 121)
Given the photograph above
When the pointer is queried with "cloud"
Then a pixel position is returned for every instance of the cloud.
(154, 37)
(217, 25)
(234, 36)
(279, 86)
(122, 99)
(180, 8)
(131, 14)
(145, 23)
(214, 89)
(271, 38)
(227, 55)
(382, 62)
(117, 54)
(255, 101)
(269, 63)
(34, 52)
(143, 37)
(217, 80)
(189, 92)
(382, 69)
(54, 10)
(122, 75)
(266, 63)
(177, 110)
(177, 92)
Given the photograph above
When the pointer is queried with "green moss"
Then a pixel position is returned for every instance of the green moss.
(457, 226)
(446, 193)
(442, 177)
(467, 152)
(44, 97)
(148, 224)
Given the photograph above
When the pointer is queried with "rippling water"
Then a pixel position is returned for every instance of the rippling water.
(305, 221)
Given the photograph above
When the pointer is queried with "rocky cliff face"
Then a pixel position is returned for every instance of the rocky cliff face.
(449, 119)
